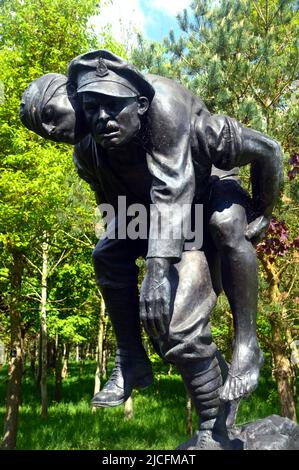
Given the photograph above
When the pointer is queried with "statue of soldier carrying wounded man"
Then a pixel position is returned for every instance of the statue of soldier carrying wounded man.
(148, 139)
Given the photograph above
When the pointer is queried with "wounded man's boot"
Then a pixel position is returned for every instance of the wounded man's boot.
(129, 372)
(203, 381)
(132, 367)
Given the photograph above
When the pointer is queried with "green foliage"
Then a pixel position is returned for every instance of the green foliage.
(242, 59)
(41, 195)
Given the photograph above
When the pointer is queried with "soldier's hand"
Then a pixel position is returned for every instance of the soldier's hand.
(155, 297)
(256, 230)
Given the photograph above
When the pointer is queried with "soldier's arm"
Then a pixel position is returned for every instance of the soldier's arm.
(170, 163)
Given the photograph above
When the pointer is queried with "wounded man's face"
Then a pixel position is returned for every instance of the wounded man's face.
(59, 119)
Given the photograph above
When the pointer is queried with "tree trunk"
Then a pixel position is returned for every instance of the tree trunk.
(189, 429)
(128, 408)
(44, 335)
(104, 362)
(39, 360)
(32, 354)
(51, 353)
(283, 374)
(24, 353)
(77, 353)
(2, 354)
(97, 383)
(58, 370)
(66, 353)
(105, 350)
(14, 388)
(279, 348)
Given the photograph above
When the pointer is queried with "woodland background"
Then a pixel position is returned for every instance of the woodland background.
(56, 342)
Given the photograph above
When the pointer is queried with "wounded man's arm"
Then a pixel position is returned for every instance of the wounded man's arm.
(230, 145)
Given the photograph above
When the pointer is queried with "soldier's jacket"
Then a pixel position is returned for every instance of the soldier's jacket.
(170, 160)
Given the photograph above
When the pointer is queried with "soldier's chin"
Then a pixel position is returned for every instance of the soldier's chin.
(109, 142)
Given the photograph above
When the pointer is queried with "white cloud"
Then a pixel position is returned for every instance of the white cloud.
(125, 17)
(169, 7)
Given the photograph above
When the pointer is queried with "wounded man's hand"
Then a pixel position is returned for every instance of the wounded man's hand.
(257, 229)
(155, 297)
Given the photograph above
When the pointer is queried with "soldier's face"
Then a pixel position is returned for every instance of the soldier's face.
(112, 121)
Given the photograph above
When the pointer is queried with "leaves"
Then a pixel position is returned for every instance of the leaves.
(39, 188)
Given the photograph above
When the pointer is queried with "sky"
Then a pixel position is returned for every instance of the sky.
(153, 18)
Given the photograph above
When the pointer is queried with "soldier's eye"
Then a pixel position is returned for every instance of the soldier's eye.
(89, 108)
(48, 114)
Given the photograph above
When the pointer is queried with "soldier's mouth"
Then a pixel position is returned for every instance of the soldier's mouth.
(108, 135)
(108, 131)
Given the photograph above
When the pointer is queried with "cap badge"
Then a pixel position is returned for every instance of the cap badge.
(101, 70)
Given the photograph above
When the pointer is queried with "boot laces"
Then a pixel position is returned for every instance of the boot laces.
(112, 381)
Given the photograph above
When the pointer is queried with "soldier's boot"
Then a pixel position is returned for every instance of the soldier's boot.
(132, 367)
(203, 381)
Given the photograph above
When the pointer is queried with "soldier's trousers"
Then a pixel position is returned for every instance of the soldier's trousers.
(193, 297)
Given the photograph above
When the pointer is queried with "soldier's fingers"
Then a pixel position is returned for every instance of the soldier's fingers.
(151, 327)
(159, 320)
(153, 312)
(143, 314)
(166, 316)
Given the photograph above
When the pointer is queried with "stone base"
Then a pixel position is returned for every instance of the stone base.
(271, 433)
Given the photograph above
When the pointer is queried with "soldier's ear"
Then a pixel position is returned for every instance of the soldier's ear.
(143, 105)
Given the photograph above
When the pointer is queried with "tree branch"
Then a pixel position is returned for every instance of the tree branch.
(32, 264)
(63, 255)
(76, 239)
(259, 11)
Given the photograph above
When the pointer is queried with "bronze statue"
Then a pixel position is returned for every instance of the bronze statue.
(154, 142)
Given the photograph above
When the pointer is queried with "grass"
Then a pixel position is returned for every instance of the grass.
(158, 422)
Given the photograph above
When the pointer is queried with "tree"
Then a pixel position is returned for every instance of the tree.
(280, 311)
(37, 37)
(242, 58)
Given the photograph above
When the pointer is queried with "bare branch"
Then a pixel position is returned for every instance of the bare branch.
(88, 239)
(57, 301)
(76, 239)
(35, 297)
(32, 264)
(259, 11)
(283, 269)
(294, 279)
(63, 255)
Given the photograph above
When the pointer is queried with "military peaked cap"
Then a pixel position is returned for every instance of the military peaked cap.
(103, 72)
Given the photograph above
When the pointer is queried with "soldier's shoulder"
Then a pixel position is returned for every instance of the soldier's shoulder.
(171, 91)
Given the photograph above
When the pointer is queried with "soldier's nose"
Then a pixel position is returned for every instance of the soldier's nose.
(103, 115)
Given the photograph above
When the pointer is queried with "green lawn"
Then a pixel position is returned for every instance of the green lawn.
(158, 422)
